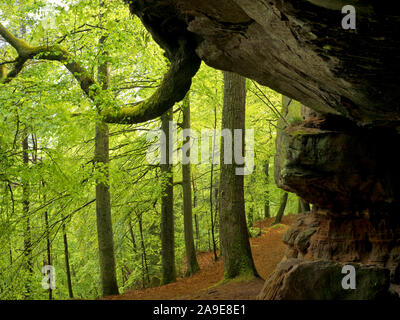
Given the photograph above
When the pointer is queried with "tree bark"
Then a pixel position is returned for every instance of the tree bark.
(267, 208)
(26, 204)
(108, 273)
(196, 220)
(103, 212)
(67, 265)
(167, 205)
(48, 247)
(144, 254)
(191, 259)
(303, 206)
(132, 236)
(46, 221)
(235, 246)
(212, 219)
(282, 208)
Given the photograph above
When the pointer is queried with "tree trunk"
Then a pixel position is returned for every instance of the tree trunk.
(67, 266)
(196, 220)
(299, 205)
(132, 236)
(48, 247)
(143, 273)
(196, 224)
(46, 221)
(26, 204)
(303, 206)
(167, 205)
(103, 212)
(212, 219)
(267, 208)
(235, 246)
(282, 208)
(216, 210)
(192, 264)
(144, 255)
(103, 203)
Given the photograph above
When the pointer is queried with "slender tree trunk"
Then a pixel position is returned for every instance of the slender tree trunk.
(132, 236)
(8, 188)
(286, 101)
(209, 240)
(267, 208)
(103, 212)
(304, 206)
(67, 265)
(123, 277)
(216, 210)
(196, 223)
(143, 273)
(282, 208)
(46, 221)
(144, 255)
(212, 218)
(192, 264)
(167, 205)
(26, 204)
(103, 203)
(196, 220)
(48, 247)
(300, 208)
(235, 245)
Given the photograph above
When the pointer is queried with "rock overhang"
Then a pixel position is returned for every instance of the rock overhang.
(297, 48)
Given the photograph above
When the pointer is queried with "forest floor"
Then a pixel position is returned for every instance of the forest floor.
(267, 249)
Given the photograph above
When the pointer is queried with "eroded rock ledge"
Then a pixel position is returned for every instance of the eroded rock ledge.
(320, 245)
(350, 174)
(297, 48)
(298, 279)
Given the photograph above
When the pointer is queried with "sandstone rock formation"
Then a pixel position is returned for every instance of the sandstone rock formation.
(343, 158)
(297, 48)
(295, 279)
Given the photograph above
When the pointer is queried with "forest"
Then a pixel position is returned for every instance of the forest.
(162, 150)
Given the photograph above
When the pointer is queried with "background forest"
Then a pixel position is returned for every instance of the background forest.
(47, 144)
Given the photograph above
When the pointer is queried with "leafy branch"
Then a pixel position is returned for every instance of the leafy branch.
(174, 86)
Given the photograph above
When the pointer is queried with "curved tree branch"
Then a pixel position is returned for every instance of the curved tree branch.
(177, 81)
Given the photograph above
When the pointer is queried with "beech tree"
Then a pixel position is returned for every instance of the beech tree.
(173, 88)
(282, 207)
(167, 203)
(235, 245)
(77, 100)
(109, 285)
(191, 258)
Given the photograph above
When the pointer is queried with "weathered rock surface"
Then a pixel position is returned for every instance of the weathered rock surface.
(350, 174)
(297, 48)
(297, 279)
(341, 167)
(318, 247)
(317, 235)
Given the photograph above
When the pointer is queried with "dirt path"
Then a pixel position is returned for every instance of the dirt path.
(267, 250)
